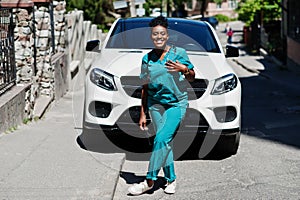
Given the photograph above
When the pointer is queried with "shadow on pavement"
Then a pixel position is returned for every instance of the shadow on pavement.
(268, 111)
(135, 148)
(131, 178)
(270, 100)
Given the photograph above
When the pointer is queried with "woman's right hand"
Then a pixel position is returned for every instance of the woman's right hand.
(142, 122)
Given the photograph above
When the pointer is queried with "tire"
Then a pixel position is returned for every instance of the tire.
(228, 145)
(233, 145)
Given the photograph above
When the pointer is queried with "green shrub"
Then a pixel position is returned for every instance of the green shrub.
(26, 120)
(222, 18)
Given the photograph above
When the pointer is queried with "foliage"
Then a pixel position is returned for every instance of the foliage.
(97, 11)
(217, 1)
(26, 120)
(11, 129)
(154, 3)
(94, 10)
(222, 18)
(248, 9)
(149, 5)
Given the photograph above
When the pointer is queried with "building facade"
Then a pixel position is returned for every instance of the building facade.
(227, 8)
(291, 32)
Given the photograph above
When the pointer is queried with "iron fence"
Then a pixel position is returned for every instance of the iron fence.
(7, 54)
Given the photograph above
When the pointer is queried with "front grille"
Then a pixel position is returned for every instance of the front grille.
(132, 116)
(193, 121)
(197, 88)
(133, 87)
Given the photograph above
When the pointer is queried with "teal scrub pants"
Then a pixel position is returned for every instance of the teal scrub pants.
(166, 120)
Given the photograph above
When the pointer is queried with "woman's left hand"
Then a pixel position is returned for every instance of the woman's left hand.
(175, 66)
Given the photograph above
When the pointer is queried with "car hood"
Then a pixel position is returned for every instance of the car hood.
(128, 63)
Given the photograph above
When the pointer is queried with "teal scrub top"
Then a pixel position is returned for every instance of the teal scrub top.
(165, 88)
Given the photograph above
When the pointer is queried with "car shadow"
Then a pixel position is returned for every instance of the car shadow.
(270, 99)
(269, 110)
(139, 148)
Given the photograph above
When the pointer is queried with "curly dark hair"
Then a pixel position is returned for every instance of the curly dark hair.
(159, 21)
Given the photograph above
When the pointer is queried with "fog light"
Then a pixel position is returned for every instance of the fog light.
(225, 114)
(100, 109)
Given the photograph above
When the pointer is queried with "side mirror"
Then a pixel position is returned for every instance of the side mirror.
(232, 51)
(93, 45)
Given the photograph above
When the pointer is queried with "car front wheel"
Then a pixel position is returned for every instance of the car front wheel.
(229, 144)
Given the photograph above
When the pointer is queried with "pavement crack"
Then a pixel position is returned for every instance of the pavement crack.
(245, 184)
(2, 180)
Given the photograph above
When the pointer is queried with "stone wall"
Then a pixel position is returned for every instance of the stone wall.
(34, 49)
(12, 106)
(48, 48)
(24, 55)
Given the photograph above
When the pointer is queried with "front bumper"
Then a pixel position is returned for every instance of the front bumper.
(118, 110)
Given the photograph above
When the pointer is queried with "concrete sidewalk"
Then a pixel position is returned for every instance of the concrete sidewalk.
(42, 160)
(271, 68)
(263, 64)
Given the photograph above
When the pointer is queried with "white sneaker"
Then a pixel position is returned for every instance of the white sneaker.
(170, 187)
(140, 188)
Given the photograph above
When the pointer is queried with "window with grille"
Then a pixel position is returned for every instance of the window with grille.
(232, 4)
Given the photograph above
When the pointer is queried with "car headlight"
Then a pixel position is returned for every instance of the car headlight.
(224, 84)
(103, 79)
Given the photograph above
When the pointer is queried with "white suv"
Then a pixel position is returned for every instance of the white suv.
(112, 97)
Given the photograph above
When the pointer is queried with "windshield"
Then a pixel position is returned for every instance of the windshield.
(135, 34)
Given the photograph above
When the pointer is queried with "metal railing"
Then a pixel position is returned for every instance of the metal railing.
(7, 53)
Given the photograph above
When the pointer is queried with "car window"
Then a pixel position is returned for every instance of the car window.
(136, 35)
(130, 35)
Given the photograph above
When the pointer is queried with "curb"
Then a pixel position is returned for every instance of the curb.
(251, 69)
(118, 178)
(245, 67)
(265, 54)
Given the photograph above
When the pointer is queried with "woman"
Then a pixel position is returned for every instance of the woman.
(166, 70)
